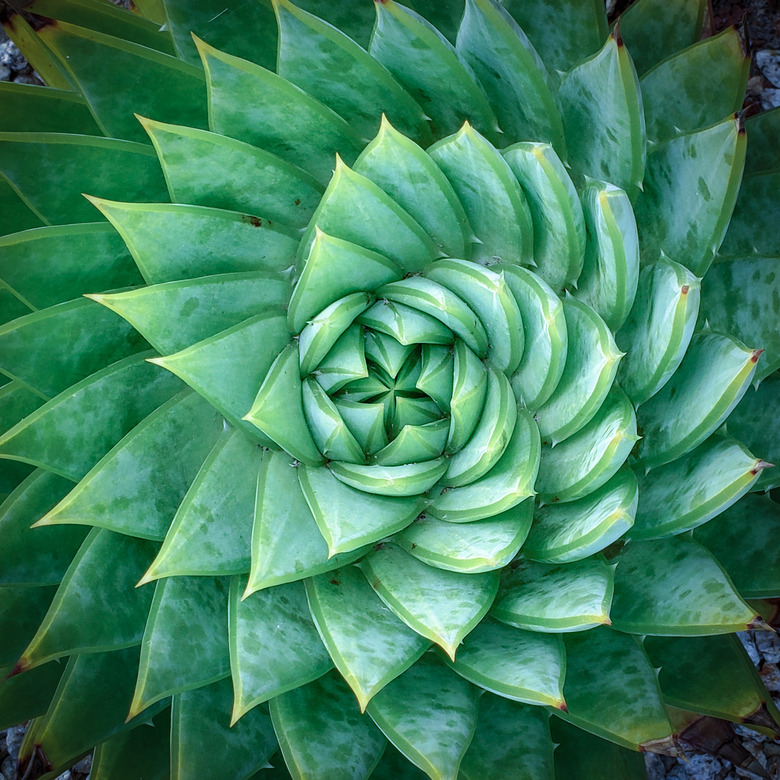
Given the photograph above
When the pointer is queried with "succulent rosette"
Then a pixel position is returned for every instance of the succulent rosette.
(385, 409)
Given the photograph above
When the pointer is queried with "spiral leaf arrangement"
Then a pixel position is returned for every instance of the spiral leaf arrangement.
(363, 417)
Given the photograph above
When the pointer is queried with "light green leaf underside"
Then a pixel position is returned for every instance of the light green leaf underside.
(612, 689)
(100, 582)
(369, 645)
(185, 641)
(430, 715)
(70, 433)
(322, 733)
(137, 487)
(221, 497)
(568, 597)
(440, 605)
(525, 666)
(674, 587)
(274, 646)
(693, 489)
(172, 242)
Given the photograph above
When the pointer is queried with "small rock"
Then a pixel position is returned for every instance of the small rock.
(699, 768)
(768, 645)
(11, 57)
(771, 676)
(13, 740)
(748, 641)
(84, 766)
(5, 73)
(8, 767)
(768, 61)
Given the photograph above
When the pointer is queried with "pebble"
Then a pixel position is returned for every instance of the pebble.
(768, 61)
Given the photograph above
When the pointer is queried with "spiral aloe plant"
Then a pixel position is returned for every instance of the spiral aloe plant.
(399, 398)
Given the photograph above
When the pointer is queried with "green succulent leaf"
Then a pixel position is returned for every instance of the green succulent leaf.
(510, 737)
(525, 666)
(426, 64)
(722, 56)
(603, 118)
(369, 645)
(584, 462)
(653, 30)
(693, 489)
(28, 695)
(445, 708)
(468, 547)
(91, 57)
(200, 714)
(255, 105)
(187, 621)
(712, 378)
(568, 597)
(312, 53)
(440, 605)
(274, 646)
(743, 547)
(141, 752)
(574, 530)
(707, 163)
(674, 587)
(349, 518)
(510, 72)
(320, 730)
(712, 675)
(612, 690)
(492, 197)
(42, 557)
(195, 544)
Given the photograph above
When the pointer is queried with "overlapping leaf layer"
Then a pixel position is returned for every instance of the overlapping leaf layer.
(416, 341)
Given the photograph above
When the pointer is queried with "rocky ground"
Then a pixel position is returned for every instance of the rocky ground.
(760, 19)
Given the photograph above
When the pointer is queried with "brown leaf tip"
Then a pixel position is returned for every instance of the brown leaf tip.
(684, 289)
(760, 466)
(22, 665)
(756, 355)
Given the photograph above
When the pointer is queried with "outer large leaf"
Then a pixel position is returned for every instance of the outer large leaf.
(675, 587)
(445, 716)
